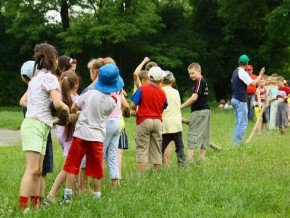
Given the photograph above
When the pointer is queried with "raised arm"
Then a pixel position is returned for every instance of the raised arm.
(137, 70)
(261, 74)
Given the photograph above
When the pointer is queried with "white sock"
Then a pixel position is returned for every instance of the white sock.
(97, 194)
(67, 192)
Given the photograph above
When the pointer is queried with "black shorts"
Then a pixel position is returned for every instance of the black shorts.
(123, 141)
(48, 158)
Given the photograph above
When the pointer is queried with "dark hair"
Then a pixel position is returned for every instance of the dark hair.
(26, 78)
(64, 64)
(149, 65)
(68, 80)
(45, 57)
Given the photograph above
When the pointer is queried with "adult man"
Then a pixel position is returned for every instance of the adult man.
(251, 89)
(240, 80)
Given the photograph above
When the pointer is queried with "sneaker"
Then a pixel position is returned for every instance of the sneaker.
(46, 202)
(65, 200)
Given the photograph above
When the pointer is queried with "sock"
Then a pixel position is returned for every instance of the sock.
(67, 193)
(35, 201)
(97, 194)
(23, 202)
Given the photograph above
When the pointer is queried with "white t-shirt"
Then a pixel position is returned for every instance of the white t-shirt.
(96, 106)
(244, 76)
(38, 100)
(171, 116)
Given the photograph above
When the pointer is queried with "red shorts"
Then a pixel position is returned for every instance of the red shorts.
(94, 151)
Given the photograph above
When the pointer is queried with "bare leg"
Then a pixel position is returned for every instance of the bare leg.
(167, 155)
(142, 167)
(190, 155)
(120, 156)
(59, 180)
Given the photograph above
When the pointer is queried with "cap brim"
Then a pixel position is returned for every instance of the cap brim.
(109, 88)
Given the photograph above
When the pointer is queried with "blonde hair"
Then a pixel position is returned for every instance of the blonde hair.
(109, 60)
(195, 66)
(96, 63)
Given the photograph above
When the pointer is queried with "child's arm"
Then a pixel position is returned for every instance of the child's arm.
(137, 70)
(189, 101)
(258, 97)
(126, 107)
(58, 104)
(267, 97)
(23, 100)
(74, 108)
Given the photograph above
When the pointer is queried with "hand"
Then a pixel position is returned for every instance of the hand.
(262, 71)
(146, 59)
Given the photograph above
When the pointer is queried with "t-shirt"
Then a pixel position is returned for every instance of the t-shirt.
(117, 112)
(240, 81)
(282, 93)
(200, 87)
(38, 100)
(263, 96)
(251, 89)
(151, 100)
(172, 119)
(96, 106)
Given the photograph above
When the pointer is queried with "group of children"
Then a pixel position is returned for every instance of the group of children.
(97, 128)
(273, 93)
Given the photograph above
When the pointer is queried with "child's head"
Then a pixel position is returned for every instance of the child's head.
(66, 63)
(280, 81)
(194, 70)
(46, 57)
(262, 82)
(109, 60)
(249, 69)
(156, 75)
(144, 77)
(149, 65)
(169, 78)
(109, 80)
(27, 71)
(94, 65)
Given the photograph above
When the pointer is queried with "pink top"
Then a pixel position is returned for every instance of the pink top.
(117, 112)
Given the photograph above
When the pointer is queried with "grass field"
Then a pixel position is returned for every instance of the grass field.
(248, 181)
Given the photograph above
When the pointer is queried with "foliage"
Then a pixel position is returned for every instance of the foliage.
(172, 33)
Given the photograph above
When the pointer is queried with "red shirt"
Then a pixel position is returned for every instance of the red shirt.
(151, 100)
(251, 89)
(283, 92)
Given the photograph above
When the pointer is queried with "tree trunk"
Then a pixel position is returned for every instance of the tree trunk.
(64, 14)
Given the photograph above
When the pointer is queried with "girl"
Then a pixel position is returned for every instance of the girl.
(69, 87)
(42, 90)
(65, 63)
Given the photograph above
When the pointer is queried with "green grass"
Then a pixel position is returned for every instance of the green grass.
(11, 117)
(248, 181)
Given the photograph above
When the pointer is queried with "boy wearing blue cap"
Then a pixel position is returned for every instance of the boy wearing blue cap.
(90, 129)
(240, 81)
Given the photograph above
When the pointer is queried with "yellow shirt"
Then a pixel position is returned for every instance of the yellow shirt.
(172, 119)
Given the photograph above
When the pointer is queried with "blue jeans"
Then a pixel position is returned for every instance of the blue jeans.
(111, 146)
(241, 115)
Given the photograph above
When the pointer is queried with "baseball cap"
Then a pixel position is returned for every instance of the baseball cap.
(27, 69)
(156, 73)
(109, 80)
(244, 59)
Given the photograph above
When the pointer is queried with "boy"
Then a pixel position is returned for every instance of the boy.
(199, 124)
(282, 110)
(151, 100)
(90, 129)
(27, 72)
(172, 125)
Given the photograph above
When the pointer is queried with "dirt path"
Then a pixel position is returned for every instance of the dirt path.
(12, 137)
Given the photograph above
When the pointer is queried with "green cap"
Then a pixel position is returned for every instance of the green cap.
(244, 59)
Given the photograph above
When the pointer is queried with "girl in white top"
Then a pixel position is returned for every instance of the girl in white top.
(42, 90)
(69, 86)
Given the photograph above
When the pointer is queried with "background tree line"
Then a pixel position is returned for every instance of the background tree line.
(172, 33)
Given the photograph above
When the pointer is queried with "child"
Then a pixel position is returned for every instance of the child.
(273, 92)
(221, 104)
(90, 129)
(69, 87)
(151, 100)
(172, 125)
(27, 72)
(65, 63)
(282, 110)
(42, 89)
(199, 125)
(261, 99)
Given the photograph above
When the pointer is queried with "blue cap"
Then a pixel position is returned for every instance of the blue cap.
(109, 80)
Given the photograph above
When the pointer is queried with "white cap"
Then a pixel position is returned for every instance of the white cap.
(27, 69)
(156, 73)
